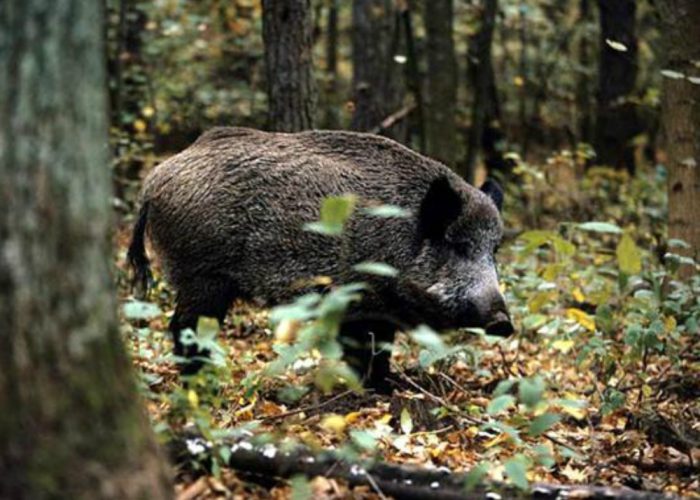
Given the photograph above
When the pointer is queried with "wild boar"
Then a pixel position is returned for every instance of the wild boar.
(226, 217)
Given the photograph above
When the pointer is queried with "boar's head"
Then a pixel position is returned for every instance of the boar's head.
(452, 282)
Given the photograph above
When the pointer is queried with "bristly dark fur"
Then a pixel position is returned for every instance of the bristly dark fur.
(226, 218)
(137, 254)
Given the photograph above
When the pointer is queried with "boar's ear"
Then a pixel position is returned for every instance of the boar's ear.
(494, 191)
(440, 207)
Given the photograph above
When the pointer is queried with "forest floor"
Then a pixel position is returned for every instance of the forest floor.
(599, 324)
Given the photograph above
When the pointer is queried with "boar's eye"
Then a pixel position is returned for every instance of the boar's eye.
(440, 207)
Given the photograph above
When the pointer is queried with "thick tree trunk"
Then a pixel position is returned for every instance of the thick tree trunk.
(71, 425)
(681, 119)
(292, 92)
(378, 87)
(442, 81)
(480, 76)
(617, 122)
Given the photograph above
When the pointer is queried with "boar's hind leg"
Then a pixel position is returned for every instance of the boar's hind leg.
(366, 351)
(210, 298)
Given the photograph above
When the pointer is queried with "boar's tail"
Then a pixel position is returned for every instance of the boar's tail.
(137, 254)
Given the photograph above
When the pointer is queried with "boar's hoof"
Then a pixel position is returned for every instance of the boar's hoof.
(500, 326)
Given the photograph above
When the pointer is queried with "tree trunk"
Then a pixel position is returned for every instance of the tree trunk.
(681, 119)
(618, 122)
(480, 74)
(583, 85)
(71, 425)
(442, 81)
(332, 105)
(291, 88)
(378, 89)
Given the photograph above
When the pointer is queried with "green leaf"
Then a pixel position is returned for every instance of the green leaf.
(301, 488)
(364, 440)
(475, 475)
(500, 403)
(325, 228)
(387, 211)
(406, 421)
(376, 268)
(503, 387)
(137, 310)
(516, 469)
(207, 328)
(337, 209)
(600, 227)
(629, 258)
(530, 391)
(542, 423)
(428, 338)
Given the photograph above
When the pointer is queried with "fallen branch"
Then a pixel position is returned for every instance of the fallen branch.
(269, 460)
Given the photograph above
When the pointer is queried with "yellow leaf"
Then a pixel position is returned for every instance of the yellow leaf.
(140, 125)
(582, 318)
(629, 258)
(286, 331)
(148, 111)
(334, 423)
(574, 475)
(647, 390)
(670, 323)
(352, 417)
(578, 295)
(563, 345)
(518, 81)
(193, 399)
(501, 438)
(386, 418)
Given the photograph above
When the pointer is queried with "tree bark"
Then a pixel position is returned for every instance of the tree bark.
(617, 122)
(71, 425)
(480, 74)
(378, 88)
(680, 111)
(583, 85)
(291, 87)
(442, 81)
(332, 105)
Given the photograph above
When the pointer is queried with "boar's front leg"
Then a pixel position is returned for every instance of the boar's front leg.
(366, 351)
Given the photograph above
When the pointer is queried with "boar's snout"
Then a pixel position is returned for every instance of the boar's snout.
(500, 325)
(492, 314)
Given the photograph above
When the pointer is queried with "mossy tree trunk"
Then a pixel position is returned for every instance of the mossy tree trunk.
(291, 87)
(681, 118)
(71, 425)
(442, 84)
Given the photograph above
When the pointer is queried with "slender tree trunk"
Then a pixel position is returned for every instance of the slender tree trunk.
(378, 87)
(525, 82)
(332, 106)
(479, 75)
(681, 119)
(413, 76)
(71, 425)
(291, 88)
(583, 87)
(617, 120)
(442, 81)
